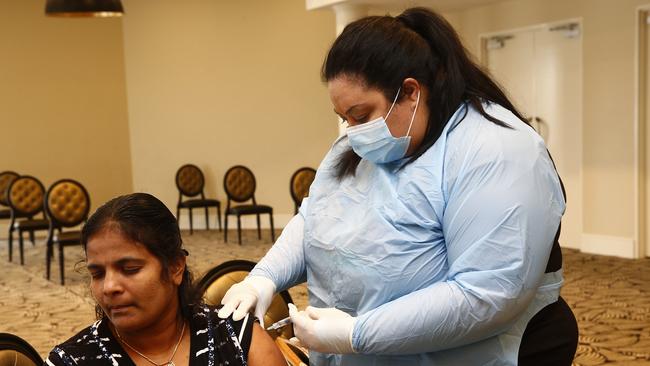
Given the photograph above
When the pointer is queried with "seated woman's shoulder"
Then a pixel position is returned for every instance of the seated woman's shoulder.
(205, 314)
(82, 346)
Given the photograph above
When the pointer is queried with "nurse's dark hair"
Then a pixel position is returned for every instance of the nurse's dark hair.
(382, 51)
(144, 219)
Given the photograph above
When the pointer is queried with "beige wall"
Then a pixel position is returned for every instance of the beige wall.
(608, 99)
(219, 83)
(63, 99)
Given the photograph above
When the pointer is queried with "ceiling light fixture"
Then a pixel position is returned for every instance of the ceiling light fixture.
(84, 8)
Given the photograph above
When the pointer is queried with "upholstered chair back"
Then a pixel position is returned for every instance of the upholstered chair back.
(299, 184)
(5, 180)
(67, 203)
(190, 180)
(15, 351)
(239, 184)
(217, 281)
(25, 195)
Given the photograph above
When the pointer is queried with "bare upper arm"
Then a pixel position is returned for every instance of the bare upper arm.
(263, 350)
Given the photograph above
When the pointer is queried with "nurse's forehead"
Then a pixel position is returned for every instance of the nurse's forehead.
(346, 94)
(346, 85)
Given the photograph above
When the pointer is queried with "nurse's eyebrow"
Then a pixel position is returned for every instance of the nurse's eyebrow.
(350, 110)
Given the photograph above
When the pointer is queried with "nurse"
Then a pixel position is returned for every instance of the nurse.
(430, 233)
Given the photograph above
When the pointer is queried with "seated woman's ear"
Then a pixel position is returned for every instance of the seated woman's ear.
(176, 270)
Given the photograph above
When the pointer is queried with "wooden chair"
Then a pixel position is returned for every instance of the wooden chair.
(25, 199)
(299, 185)
(293, 355)
(15, 351)
(6, 178)
(239, 184)
(190, 182)
(67, 204)
(214, 284)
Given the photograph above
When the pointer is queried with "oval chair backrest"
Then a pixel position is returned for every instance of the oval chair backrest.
(239, 183)
(15, 351)
(10, 357)
(190, 180)
(67, 203)
(300, 182)
(5, 180)
(25, 195)
(214, 284)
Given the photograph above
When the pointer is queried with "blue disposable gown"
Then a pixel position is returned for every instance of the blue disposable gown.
(442, 262)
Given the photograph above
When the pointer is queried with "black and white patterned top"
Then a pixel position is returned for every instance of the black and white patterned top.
(213, 342)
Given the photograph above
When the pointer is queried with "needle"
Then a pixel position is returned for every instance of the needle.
(279, 324)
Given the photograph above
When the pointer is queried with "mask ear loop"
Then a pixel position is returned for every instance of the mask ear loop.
(393, 105)
(417, 103)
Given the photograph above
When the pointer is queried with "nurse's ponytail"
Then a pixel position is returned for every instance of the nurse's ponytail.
(419, 44)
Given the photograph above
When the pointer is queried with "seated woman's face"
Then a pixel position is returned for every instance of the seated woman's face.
(127, 281)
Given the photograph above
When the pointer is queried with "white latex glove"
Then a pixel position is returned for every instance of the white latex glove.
(254, 292)
(326, 330)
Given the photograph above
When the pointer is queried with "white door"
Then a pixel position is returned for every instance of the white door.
(541, 69)
(510, 60)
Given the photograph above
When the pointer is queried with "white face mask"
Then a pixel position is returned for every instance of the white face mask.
(374, 142)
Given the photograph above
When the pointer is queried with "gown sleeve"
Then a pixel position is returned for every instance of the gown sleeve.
(503, 207)
(284, 263)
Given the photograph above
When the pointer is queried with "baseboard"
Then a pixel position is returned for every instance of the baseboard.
(608, 245)
(247, 222)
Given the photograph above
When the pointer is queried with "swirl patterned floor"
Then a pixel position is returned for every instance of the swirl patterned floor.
(610, 296)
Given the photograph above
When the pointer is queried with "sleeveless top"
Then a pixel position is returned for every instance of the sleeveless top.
(213, 341)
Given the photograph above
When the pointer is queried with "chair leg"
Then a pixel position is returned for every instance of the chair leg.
(191, 222)
(259, 229)
(207, 219)
(272, 229)
(11, 244)
(48, 258)
(31, 237)
(239, 228)
(219, 216)
(178, 214)
(20, 246)
(225, 228)
(61, 264)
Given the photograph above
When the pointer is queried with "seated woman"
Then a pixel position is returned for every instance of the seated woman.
(148, 312)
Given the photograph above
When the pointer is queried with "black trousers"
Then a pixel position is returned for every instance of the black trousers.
(550, 338)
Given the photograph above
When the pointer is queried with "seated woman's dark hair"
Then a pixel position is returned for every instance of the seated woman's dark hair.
(383, 51)
(144, 219)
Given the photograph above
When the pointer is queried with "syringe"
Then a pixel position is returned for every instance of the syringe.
(279, 324)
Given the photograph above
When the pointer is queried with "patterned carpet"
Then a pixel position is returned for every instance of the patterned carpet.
(610, 296)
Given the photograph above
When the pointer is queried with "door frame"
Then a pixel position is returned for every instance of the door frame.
(642, 244)
(483, 39)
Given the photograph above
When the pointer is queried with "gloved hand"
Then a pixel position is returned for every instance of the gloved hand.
(254, 292)
(326, 330)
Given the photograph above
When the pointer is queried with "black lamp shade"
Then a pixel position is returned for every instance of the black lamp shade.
(84, 8)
